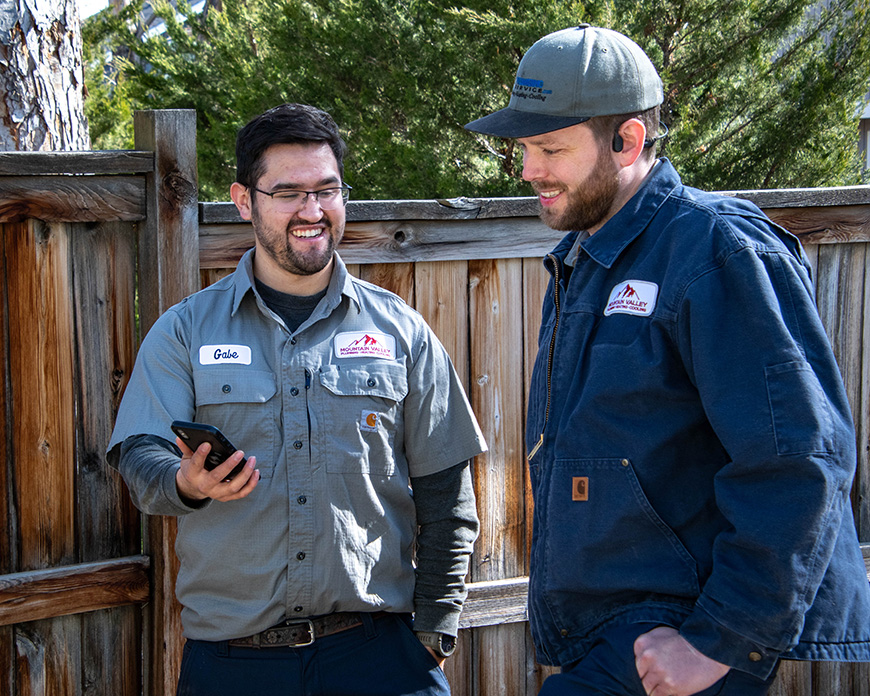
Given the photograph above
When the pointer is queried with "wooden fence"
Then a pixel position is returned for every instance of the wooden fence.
(97, 245)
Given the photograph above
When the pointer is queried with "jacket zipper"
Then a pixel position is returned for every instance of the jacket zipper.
(556, 284)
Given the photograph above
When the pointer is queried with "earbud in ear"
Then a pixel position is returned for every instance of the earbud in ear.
(617, 142)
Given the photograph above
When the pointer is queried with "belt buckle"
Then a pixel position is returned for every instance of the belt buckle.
(310, 631)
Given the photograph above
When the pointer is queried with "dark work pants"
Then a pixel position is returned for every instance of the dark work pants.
(608, 669)
(380, 658)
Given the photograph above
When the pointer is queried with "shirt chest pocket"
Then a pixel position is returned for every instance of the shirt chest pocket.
(241, 403)
(360, 417)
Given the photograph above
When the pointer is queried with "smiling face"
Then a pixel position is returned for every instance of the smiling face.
(574, 175)
(294, 250)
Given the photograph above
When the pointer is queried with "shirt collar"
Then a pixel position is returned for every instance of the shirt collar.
(340, 282)
(605, 246)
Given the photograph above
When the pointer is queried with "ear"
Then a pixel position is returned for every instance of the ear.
(633, 134)
(241, 196)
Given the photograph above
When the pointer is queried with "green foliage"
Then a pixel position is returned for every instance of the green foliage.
(758, 94)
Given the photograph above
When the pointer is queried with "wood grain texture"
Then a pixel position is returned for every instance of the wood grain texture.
(66, 590)
(72, 199)
(43, 433)
(168, 272)
(64, 163)
(441, 291)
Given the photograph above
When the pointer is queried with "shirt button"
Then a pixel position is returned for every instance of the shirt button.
(226, 389)
(298, 444)
(371, 381)
(292, 341)
(300, 556)
(297, 609)
(302, 500)
(754, 656)
(294, 391)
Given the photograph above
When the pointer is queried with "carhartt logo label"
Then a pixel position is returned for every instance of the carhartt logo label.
(365, 344)
(369, 421)
(225, 354)
(580, 488)
(632, 297)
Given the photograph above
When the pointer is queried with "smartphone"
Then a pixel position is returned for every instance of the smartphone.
(194, 434)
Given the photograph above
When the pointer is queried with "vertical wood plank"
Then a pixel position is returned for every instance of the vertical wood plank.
(209, 276)
(49, 657)
(168, 272)
(861, 487)
(441, 289)
(794, 679)
(495, 291)
(108, 525)
(840, 293)
(395, 277)
(9, 530)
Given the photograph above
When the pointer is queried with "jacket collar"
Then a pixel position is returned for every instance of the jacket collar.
(605, 246)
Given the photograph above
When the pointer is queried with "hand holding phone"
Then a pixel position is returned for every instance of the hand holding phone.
(194, 434)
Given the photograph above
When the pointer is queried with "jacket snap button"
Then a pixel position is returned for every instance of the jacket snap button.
(226, 389)
(564, 632)
(754, 656)
(624, 462)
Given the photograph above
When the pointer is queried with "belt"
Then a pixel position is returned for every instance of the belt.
(297, 633)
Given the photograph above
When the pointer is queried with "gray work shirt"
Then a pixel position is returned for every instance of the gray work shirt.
(339, 414)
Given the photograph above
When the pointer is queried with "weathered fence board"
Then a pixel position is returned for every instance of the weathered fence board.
(471, 267)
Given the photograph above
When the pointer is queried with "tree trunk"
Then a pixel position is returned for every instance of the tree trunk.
(41, 76)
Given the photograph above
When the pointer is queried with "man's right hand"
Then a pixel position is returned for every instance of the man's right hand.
(196, 483)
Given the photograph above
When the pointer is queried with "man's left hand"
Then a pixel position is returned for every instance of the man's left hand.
(668, 665)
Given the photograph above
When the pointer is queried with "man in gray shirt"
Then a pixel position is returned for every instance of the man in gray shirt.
(355, 508)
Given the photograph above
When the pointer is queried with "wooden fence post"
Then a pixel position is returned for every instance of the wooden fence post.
(168, 272)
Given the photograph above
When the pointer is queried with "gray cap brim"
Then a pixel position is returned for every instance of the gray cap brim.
(511, 123)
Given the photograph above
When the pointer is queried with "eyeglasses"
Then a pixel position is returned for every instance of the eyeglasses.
(290, 199)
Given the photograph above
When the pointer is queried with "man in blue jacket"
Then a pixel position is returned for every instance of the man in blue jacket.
(690, 443)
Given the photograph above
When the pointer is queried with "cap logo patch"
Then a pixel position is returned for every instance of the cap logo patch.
(224, 354)
(632, 297)
(365, 344)
(525, 88)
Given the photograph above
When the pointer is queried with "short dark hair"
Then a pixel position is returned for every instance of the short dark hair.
(281, 125)
(604, 127)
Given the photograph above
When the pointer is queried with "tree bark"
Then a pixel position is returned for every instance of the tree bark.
(41, 76)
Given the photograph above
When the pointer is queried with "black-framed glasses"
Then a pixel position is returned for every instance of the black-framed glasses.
(293, 199)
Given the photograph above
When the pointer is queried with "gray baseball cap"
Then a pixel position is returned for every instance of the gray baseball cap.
(571, 75)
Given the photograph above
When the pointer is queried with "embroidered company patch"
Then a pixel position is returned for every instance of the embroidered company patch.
(369, 421)
(224, 354)
(365, 344)
(632, 297)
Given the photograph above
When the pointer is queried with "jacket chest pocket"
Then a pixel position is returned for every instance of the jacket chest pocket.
(360, 417)
(241, 403)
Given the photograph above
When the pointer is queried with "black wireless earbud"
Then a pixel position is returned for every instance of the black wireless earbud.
(617, 142)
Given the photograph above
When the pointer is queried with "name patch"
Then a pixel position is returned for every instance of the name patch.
(365, 344)
(225, 354)
(632, 297)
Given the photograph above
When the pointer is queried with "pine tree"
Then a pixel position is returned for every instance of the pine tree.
(758, 94)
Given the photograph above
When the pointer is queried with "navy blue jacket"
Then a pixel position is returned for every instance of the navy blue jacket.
(691, 444)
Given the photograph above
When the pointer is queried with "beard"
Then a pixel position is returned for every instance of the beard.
(278, 245)
(589, 204)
